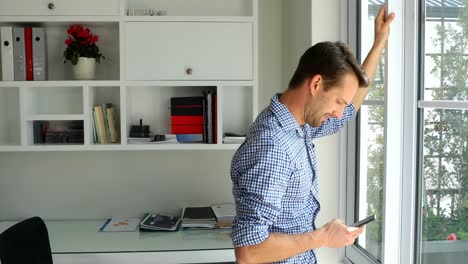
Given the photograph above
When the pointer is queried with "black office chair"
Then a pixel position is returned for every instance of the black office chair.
(26, 242)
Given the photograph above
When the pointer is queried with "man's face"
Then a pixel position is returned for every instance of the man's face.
(331, 103)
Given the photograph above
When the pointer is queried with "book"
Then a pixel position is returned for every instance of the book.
(189, 137)
(187, 129)
(106, 121)
(97, 135)
(116, 224)
(209, 116)
(39, 48)
(28, 53)
(198, 217)
(6, 53)
(112, 125)
(101, 128)
(159, 222)
(19, 54)
(225, 214)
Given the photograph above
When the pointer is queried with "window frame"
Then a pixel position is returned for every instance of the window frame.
(401, 124)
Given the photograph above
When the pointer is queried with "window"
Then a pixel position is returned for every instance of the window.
(367, 191)
(425, 78)
(371, 130)
(443, 173)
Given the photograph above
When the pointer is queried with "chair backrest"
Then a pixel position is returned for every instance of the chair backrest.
(26, 242)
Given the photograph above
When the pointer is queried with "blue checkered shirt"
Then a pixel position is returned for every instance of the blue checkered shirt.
(274, 176)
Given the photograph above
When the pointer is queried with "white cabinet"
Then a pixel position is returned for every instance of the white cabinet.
(59, 7)
(189, 51)
(198, 46)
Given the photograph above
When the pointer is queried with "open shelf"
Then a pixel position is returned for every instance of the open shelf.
(195, 7)
(56, 34)
(152, 105)
(237, 109)
(10, 116)
(99, 95)
(55, 100)
(55, 132)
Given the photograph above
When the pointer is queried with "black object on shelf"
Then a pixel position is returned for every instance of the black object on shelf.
(140, 131)
(58, 132)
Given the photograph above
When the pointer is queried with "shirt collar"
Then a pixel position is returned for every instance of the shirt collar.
(284, 116)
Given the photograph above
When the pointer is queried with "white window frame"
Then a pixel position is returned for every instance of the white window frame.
(400, 129)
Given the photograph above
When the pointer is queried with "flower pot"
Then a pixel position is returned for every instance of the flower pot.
(85, 69)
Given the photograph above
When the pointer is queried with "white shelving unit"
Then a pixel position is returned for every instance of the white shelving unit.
(146, 62)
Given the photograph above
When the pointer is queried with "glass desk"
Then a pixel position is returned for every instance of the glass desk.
(81, 242)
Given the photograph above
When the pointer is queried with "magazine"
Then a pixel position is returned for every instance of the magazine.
(154, 221)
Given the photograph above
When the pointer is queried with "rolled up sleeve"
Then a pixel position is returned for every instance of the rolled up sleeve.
(333, 125)
(260, 173)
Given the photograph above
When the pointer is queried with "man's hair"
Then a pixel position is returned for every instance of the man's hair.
(332, 60)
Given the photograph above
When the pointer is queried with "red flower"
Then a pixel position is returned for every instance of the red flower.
(81, 43)
(451, 236)
(83, 33)
(69, 41)
(75, 30)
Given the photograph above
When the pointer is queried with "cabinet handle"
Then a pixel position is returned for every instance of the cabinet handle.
(51, 6)
(189, 71)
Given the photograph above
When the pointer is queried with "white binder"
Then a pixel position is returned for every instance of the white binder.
(19, 55)
(7, 53)
(39, 54)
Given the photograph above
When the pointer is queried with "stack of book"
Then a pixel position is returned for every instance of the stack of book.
(58, 132)
(187, 117)
(194, 119)
(23, 53)
(233, 138)
(159, 222)
(198, 217)
(225, 214)
(105, 123)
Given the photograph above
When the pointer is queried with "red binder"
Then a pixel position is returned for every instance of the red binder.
(215, 119)
(187, 120)
(187, 129)
(28, 53)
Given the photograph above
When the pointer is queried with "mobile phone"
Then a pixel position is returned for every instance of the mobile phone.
(364, 221)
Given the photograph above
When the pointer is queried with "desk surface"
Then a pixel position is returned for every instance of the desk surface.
(83, 237)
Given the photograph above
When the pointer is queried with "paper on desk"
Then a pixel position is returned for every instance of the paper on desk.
(120, 225)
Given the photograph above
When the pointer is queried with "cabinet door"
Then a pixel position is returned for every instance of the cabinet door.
(59, 7)
(188, 51)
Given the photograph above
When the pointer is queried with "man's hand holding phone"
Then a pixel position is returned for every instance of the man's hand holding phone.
(364, 221)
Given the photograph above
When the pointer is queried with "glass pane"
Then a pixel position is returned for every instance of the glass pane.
(371, 142)
(444, 187)
(371, 169)
(431, 33)
(369, 11)
(446, 47)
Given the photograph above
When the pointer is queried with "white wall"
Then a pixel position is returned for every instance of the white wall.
(326, 27)
(270, 50)
(96, 185)
(296, 35)
(300, 24)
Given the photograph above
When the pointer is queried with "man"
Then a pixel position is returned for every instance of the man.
(274, 172)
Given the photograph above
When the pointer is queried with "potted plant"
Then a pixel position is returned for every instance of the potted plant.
(82, 52)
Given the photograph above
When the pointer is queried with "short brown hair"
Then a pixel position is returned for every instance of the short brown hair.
(331, 60)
